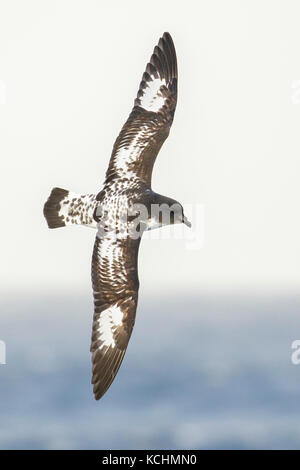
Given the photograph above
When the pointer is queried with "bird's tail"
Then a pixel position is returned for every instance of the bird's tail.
(66, 208)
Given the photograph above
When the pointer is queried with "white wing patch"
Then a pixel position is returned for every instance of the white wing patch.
(108, 322)
(153, 98)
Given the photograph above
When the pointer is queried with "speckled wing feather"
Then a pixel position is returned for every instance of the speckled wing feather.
(115, 286)
(149, 123)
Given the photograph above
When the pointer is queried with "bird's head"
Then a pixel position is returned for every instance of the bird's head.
(179, 217)
(171, 212)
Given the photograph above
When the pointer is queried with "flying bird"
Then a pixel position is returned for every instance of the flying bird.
(124, 208)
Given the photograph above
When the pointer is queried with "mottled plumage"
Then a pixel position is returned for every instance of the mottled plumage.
(114, 213)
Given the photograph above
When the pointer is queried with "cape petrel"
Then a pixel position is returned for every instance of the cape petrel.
(122, 211)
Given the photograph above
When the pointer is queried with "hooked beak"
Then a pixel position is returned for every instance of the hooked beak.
(187, 222)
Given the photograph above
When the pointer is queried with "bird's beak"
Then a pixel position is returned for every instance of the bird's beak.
(187, 222)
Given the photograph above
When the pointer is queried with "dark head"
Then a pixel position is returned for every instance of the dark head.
(177, 215)
(169, 212)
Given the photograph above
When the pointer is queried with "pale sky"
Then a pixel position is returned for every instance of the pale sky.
(69, 73)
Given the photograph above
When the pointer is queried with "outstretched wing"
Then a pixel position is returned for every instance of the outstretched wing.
(115, 286)
(149, 123)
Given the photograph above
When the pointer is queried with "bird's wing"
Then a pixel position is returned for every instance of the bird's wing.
(115, 286)
(149, 123)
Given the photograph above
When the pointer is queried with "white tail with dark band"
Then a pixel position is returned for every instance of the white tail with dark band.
(66, 208)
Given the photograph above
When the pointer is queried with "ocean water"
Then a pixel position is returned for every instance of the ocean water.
(208, 371)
